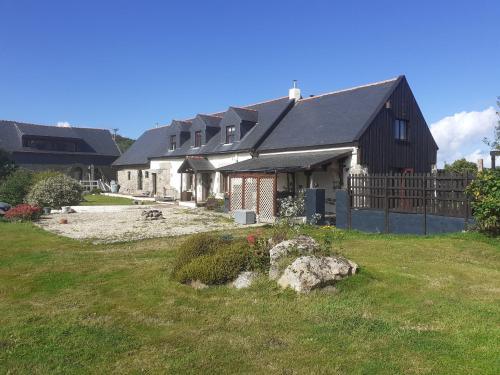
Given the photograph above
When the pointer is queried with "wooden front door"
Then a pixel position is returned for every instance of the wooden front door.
(205, 184)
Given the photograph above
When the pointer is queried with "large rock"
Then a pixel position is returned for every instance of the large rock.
(311, 272)
(244, 280)
(303, 245)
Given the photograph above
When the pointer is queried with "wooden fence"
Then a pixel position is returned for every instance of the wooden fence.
(428, 194)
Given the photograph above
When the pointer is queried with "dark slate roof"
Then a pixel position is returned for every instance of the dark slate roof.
(151, 142)
(289, 162)
(99, 140)
(246, 114)
(268, 112)
(210, 121)
(196, 165)
(330, 119)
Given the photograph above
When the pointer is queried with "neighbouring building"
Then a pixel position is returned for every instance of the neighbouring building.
(256, 153)
(82, 153)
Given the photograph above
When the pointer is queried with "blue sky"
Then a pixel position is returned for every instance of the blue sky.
(131, 64)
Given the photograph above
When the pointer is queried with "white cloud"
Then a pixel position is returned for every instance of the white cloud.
(63, 124)
(461, 136)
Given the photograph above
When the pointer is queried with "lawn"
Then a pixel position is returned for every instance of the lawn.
(418, 306)
(104, 200)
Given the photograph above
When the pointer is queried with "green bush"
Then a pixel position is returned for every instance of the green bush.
(218, 268)
(55, 192)
(16, 186)
(197, 245)
(7, 165)
(43, 175)
(485, 193)
(96, 191)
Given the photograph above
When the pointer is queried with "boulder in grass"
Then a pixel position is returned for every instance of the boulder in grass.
(311, 272)
(244, 280)
(304, 245)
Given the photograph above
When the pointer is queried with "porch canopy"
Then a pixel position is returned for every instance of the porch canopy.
(196, 165)
(303, 161)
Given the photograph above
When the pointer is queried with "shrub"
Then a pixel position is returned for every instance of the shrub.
(23, 212)
(198, 245)
(485, 193)
(96, 191)
(55, 192)
(43, 175)
(16, 186)
(259, 252)
(7, 165)
(218, 268)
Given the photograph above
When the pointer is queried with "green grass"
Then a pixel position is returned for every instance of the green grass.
(418, 306)
(104, 200)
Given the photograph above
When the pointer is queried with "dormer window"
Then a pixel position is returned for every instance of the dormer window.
(173, 142)
(197, 138)
(230, 133)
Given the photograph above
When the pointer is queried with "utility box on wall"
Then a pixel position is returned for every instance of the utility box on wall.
(314, 202)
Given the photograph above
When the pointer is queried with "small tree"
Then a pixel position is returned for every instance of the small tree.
(461, 166)
(55, 192)
(495, 142)
(7, 165)
(16, 186)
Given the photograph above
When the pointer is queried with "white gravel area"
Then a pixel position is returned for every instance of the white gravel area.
(127, 224)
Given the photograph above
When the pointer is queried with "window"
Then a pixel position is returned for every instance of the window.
(128, 175)
(146, 174)
(197, 139)
(173, 142)
(50, 144)
(401, 130)
(230, 133)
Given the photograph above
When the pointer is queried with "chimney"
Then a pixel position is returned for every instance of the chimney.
(294, 92)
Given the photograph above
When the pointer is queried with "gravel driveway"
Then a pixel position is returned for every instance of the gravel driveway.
(126, 223)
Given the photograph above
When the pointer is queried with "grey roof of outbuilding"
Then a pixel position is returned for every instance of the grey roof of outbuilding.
(196, 165)
(99, 140)
(289, 162)
(330, 119)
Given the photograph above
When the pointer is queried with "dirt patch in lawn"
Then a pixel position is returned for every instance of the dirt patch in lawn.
(127, 224)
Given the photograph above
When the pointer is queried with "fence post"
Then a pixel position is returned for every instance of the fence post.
(424, 187)
(466, 200)
(386, 204)
(349, 202)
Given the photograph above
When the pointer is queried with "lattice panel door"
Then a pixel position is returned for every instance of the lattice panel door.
(266, 199)
(236, 193)
(251, 193)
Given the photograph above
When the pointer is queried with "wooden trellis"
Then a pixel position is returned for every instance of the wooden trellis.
(255, 192)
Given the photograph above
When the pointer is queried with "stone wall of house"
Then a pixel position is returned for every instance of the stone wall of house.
(129, 181)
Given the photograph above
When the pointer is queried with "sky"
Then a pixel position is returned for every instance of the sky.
(133, 64)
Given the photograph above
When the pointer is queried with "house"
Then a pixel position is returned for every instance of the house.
(257, 153)
(82, 153)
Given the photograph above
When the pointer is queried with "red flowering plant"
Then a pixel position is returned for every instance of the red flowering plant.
(259, 251)
(23, 212)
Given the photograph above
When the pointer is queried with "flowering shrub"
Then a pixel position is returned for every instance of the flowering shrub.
(485, 193)
(55, 192)
(259, 252)
(23, 212)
